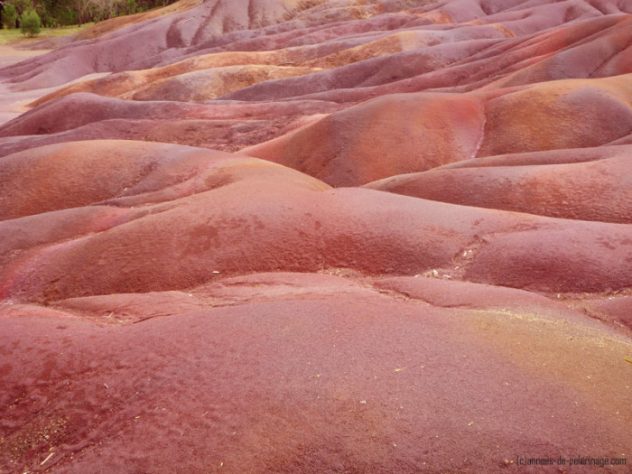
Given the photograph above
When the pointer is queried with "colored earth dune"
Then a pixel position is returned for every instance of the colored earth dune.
(355, 236)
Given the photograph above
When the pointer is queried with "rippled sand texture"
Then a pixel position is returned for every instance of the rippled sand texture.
(361, 236)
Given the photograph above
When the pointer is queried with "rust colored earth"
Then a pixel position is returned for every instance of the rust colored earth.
(355, 236)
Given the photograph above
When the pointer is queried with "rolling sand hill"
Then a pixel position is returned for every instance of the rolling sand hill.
(355, 236)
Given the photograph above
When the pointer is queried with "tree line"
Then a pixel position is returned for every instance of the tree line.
(55, 13)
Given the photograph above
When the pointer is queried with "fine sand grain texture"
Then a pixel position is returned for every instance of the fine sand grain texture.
(332, 236)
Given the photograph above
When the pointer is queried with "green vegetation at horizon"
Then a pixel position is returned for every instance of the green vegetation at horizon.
(15, 35)
(56, 13)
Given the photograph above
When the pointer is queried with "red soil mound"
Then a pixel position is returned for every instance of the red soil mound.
(459, 303)
(390, 135)
(295, 380)
(405, 133)
(222, 125)
(542, 117)
(201, 86)
(201, 24)
(134, 250)
(599, 190)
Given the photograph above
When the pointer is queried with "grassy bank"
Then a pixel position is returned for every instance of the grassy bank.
(14, 35)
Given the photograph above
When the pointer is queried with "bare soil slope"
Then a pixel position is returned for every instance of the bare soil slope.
(320, 236)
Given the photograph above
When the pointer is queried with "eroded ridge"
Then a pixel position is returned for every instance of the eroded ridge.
(319, 236)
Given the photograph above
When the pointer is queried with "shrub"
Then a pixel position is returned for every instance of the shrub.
(132, 7)
(30, 23)
(9, 15)
(66, 17)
